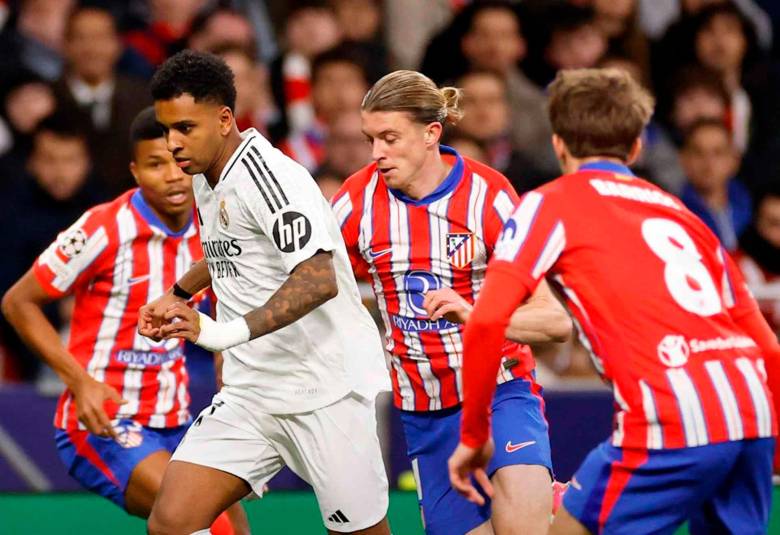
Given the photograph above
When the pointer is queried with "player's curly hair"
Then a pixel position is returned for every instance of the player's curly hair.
(204, 76)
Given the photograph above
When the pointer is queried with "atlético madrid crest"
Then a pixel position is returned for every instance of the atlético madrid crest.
(461, 248)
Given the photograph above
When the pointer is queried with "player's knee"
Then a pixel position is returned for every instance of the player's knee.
(162, 523)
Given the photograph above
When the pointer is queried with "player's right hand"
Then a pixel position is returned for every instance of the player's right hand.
(90, 396)
(151, 316)
(448, 304)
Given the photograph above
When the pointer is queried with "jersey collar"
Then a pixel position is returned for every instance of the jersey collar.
(450, 182)
(247, 135)
(605, 165)
(146, 212)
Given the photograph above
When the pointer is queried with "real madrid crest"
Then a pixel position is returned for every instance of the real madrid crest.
(224, 220)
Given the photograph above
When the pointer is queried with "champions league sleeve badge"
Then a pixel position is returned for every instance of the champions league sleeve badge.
(72, 242)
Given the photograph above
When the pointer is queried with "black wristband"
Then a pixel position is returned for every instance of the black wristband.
(178, 291)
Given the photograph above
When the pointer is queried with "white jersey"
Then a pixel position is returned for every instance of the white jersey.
(264, 217)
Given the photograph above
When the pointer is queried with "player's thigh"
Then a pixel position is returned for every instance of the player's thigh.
(431, 437)
(144, 484)
(521, 466)
(743, 500)
(191, 497)
(521, 491)
(105, 465)
(222, 458)
(565, 524)
(336, 449)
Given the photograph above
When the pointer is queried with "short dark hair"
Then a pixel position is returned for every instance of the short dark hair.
(204, 76)
(145, 127)
(62, 124)
(706, 122)
(346, 52)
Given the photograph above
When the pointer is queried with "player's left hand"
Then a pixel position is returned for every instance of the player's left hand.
(448, 304)
(466, 461)
(181, 321)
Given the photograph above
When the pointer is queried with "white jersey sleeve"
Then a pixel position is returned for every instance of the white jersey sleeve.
(290, 215)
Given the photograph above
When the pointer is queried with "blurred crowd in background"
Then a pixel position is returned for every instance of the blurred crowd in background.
(74, 74)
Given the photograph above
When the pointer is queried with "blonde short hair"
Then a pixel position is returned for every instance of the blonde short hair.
(416, 94)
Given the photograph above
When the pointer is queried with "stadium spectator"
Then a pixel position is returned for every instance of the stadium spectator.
(311, 28)
(710, 162)
(220, 26)
(24, 106)
(101, 99)
(467, 146)
(346, 149)
(758, 256)
(618, 20)
(35, 42)
(567, 38)
(725, 42)
(697, 93)
(659, 162)
(254, 102)
(168, 23)
(339, 80)
(410, 25)
(55, 190)
(487, 119)
(360, 20)
(494, 41)
(329, 183)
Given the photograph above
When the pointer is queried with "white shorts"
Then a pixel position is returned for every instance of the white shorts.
(335, 449)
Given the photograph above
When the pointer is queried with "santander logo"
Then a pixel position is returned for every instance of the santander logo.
(673, 350)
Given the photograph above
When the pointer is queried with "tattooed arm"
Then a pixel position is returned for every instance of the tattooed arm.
(311, 283)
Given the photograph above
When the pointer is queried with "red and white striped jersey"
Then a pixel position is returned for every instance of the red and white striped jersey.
(114, 259)
(412, 246)
(655, 296)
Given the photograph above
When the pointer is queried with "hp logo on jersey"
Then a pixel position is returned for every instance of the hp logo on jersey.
(461, 248)
(291, 232)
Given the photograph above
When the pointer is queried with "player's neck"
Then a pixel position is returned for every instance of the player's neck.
(429, 177)
(230, 146)
(175, 223)
(572, 164)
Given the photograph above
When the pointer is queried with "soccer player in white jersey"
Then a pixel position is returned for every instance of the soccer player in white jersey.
(302, 358)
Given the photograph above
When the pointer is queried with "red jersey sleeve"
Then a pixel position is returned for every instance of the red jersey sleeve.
(348, 213)
(73, 256)
(532, 240)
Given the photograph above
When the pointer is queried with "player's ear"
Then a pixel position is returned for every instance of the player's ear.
(636, 150)
(225, 120)
(134, 170)
(433, 133)
(559, 147)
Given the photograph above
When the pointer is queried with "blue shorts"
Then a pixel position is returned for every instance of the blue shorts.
(104, 465)
(520, 434)
(719, 488)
